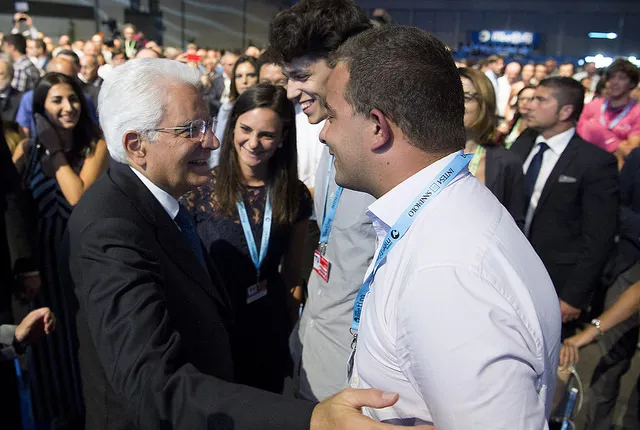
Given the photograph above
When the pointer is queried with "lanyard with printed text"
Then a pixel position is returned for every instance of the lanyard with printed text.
(248, 234)
(329, 212)
(398, 230)
(617, 119)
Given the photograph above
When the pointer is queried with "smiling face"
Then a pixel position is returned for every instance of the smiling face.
(62, 106)
(343, 133)
(246, 77)
(256, 137)
(173, 161)
(307, 85)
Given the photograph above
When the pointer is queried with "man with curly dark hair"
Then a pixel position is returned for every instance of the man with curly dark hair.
(305, 35)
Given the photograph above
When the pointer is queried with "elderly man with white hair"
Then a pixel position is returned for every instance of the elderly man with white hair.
(154, 323)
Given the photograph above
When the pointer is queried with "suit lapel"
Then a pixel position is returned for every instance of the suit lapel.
(168, 234)
(565, 159)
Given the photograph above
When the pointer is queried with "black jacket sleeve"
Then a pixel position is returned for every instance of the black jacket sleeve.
(600, 203)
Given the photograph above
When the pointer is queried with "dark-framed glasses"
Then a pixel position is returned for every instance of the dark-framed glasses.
(195, 129)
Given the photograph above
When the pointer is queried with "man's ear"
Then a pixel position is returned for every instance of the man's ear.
(565, 112)
(380, 129)
(133, 146)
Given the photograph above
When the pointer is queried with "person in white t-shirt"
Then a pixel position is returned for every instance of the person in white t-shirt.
(457, 313)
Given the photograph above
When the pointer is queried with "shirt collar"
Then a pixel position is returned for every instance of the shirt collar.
(387, 209)
(559, 142)
(168, 202)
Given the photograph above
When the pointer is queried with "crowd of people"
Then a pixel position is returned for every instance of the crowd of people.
(190, 228)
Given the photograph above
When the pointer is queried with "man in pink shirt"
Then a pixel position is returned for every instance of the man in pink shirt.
(613, 123)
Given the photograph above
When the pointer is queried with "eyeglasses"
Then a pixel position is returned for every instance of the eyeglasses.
(470, 96)
(196, 128)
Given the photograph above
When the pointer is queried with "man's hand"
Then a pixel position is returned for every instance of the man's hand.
(568, 312)
(47, 134)
(343, 410)
(35, 325)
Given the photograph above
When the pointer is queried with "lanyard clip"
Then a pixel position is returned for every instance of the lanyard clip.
(322, 248)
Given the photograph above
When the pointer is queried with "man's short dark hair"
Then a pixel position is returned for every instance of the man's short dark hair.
(429, 107)
(315, 28)
(270, 56)
(626, 67)
(567, 91)
(494, 59)
(18, 41)
(70, 53)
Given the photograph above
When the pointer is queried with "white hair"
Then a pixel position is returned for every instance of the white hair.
(133, 97)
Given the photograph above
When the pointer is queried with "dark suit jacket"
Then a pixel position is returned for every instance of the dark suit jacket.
(628, 249)
(9, 103)
(212, 95)
(575, 222)
(503, 176)
(92, 89)
(153, 324)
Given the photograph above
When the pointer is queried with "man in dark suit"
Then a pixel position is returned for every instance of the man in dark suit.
(571, 195)
(9, 96)
(154, 321)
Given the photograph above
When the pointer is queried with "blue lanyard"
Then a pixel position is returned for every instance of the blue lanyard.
(330, 212)
(248, 234)
(444, 178)
(617, 119)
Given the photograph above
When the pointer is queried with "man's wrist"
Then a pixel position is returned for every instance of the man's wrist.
(18, 347)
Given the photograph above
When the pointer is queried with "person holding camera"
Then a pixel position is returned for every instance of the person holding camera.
(23, 24)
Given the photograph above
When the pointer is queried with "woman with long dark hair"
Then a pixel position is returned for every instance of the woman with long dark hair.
(493, 165)
(252, 217)
(518, 124)
(64, 157)
(243, 77)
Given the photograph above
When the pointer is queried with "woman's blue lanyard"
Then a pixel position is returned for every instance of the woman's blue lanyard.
(248, 234)
(617, 119)
(330, 212)
(444, 178)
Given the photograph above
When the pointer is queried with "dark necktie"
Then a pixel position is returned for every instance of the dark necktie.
(532, 174)
(185, 221)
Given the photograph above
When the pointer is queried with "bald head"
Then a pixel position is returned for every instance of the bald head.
(147, 53)
(62, 65)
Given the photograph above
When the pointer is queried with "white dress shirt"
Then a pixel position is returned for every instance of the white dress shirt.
(168, 202)
(462, 319)
(502, 95)
(309, 147)
(557, 144)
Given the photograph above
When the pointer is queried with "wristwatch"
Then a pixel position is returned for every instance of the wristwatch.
(596, 323)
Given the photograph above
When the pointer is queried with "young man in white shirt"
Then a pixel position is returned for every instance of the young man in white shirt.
(460, 316)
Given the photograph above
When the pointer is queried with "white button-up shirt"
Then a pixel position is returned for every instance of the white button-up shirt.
(462, 319)
(557, 144)
(168, 202)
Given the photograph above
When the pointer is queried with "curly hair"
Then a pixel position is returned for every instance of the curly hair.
(315, 28)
